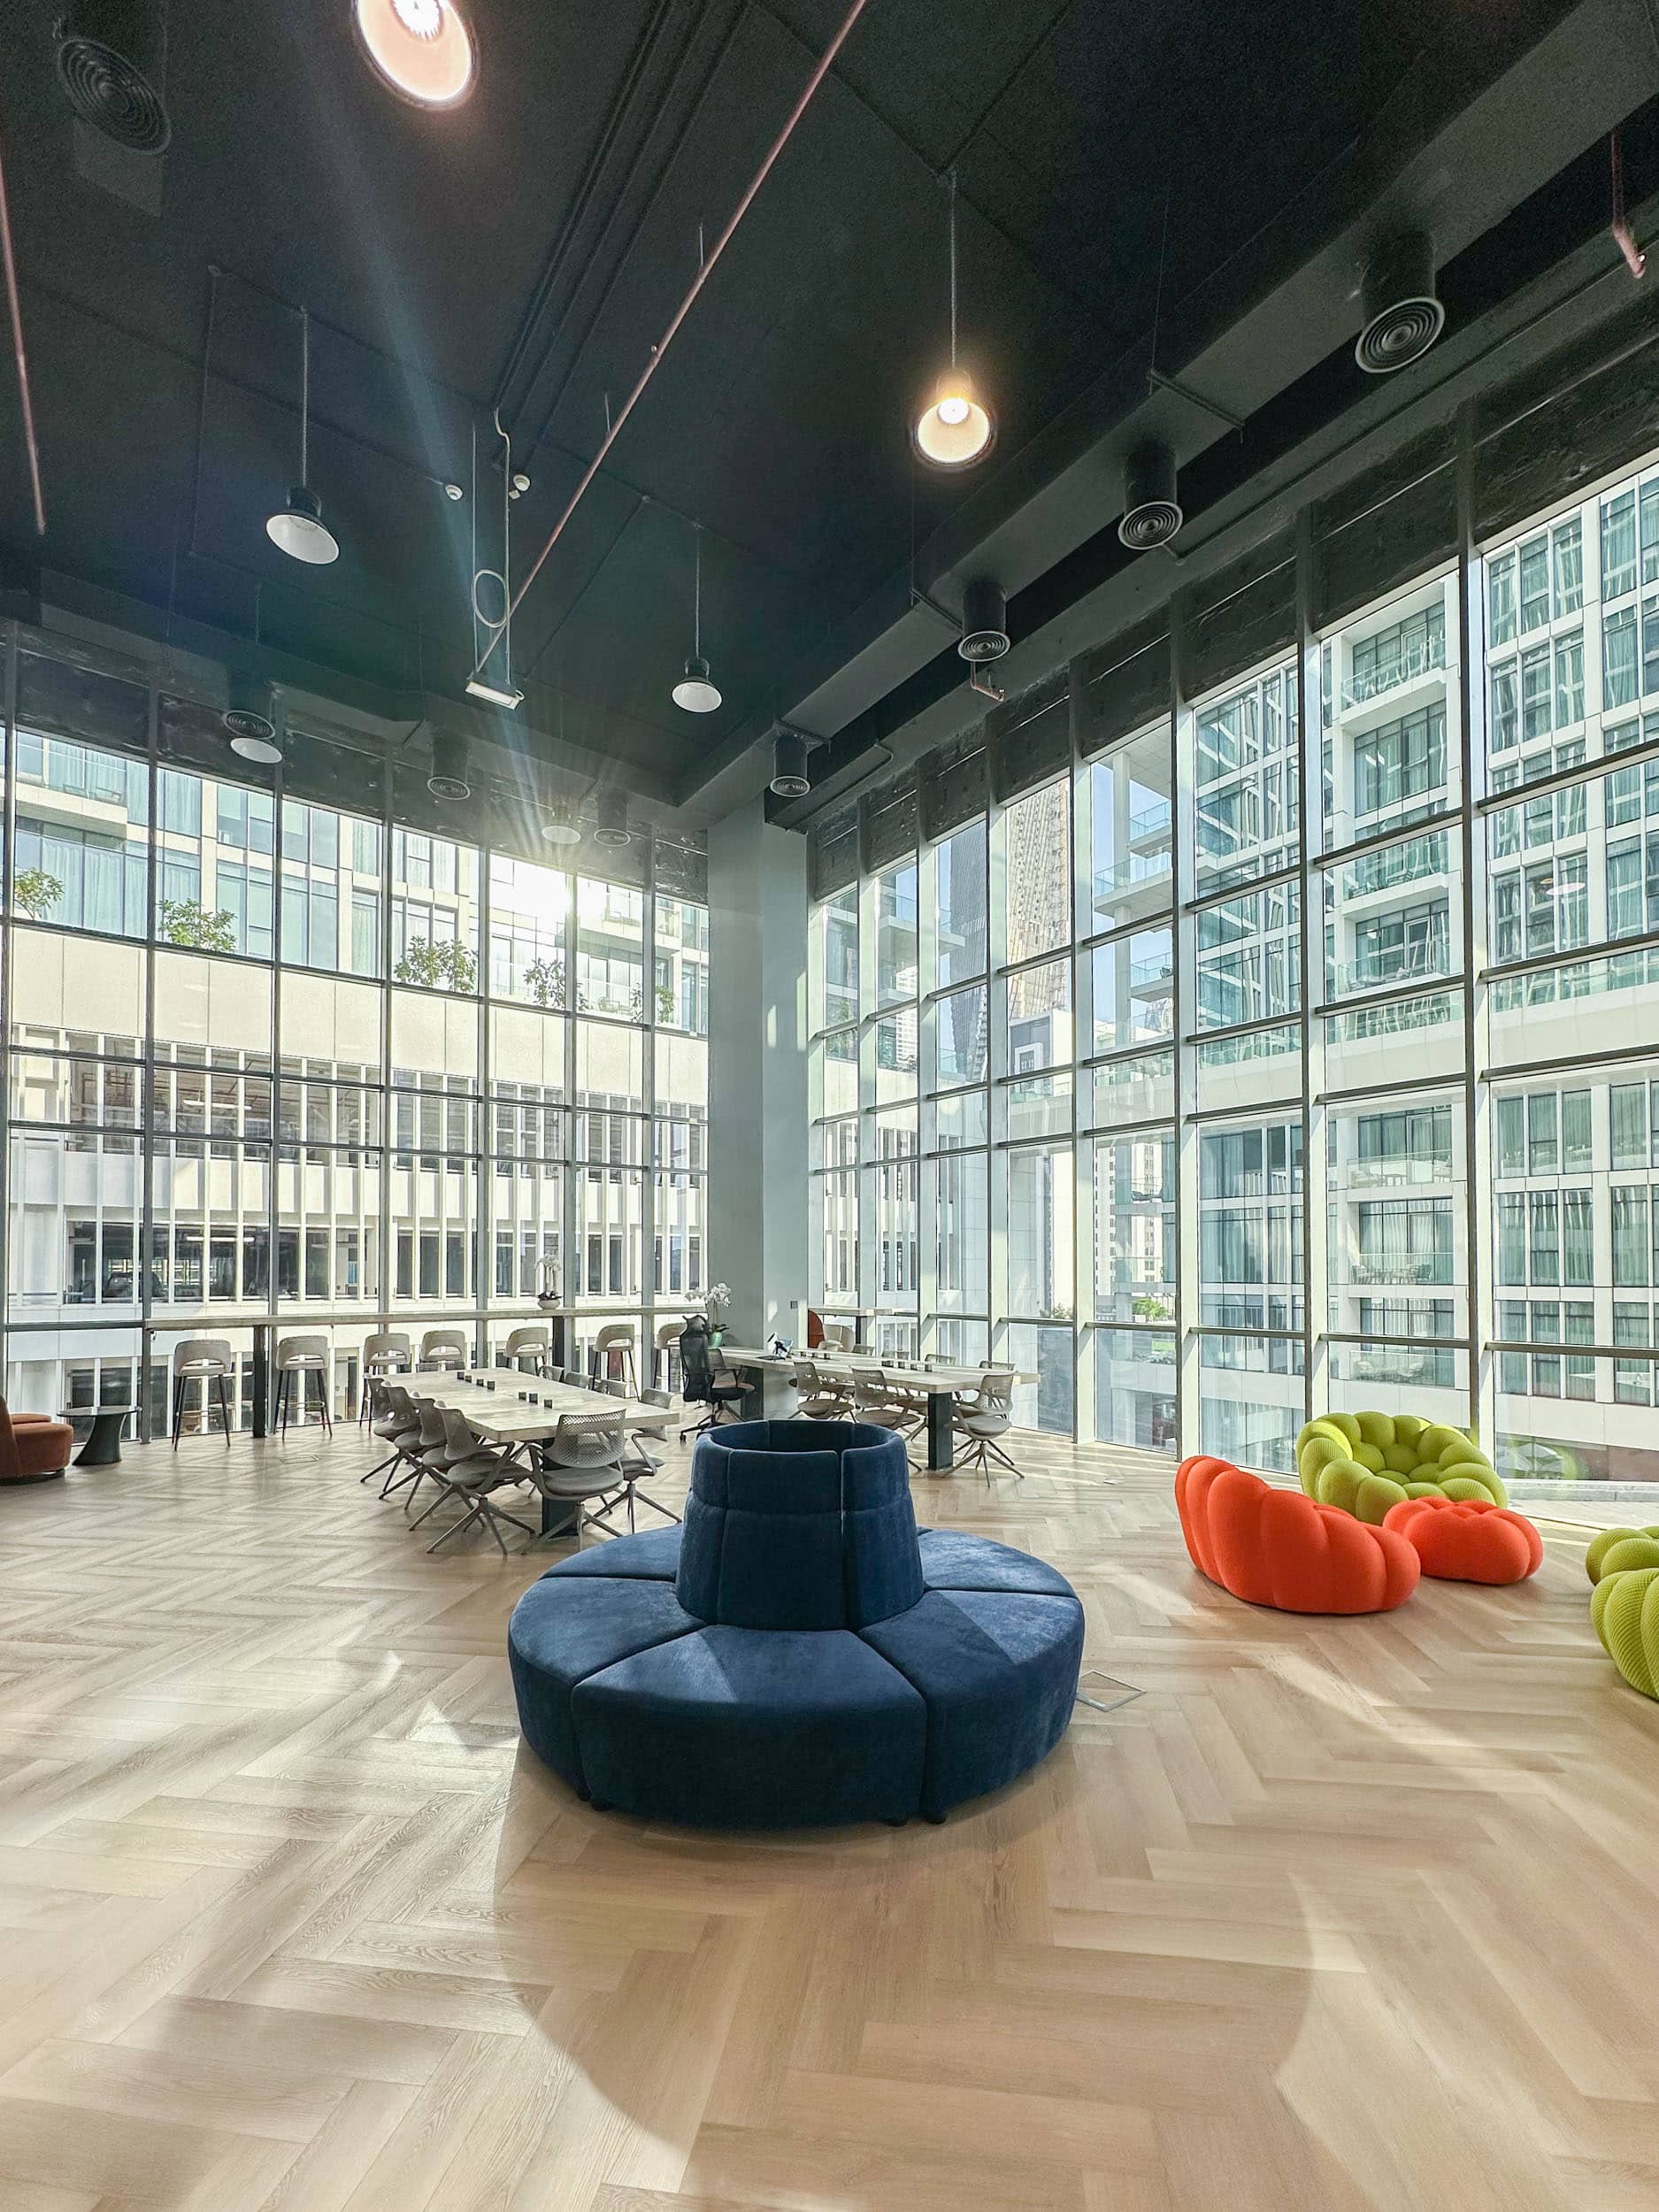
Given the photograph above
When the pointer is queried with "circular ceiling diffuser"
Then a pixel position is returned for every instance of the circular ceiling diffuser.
(111, 56)
(1152, 513)
(1402, 316)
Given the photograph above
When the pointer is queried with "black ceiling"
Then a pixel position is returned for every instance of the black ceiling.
(528, 250)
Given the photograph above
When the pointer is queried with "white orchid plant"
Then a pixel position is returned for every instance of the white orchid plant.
(716, 1298)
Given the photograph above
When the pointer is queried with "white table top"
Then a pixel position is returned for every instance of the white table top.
(501, 1415)
(929, 1380)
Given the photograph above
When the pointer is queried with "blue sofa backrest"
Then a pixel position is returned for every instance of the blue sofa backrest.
(799, 1525)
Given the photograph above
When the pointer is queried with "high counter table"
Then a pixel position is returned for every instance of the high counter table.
(773, 1396)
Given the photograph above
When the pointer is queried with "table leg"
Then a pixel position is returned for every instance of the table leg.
(262, 1380)
(558, 1516)
(103, 1447)
(942, 1432)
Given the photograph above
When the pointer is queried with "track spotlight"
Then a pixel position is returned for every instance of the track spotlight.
(448, 778)
(1402, 316)
(299, 529)
(956, 428)
(696, 692)
(558, 829)
(611, 830)
(421, 48)
(789, 777)
(1152, 512)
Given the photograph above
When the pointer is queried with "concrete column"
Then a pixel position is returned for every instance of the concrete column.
(758, 1074)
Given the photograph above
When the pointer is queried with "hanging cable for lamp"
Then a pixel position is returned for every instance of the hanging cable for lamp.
(954, 429)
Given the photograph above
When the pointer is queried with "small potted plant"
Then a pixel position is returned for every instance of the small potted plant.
(716, 1300)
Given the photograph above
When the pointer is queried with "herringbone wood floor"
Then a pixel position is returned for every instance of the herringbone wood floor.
(1335, 1914)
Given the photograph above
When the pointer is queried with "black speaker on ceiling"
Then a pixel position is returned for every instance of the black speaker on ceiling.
(111, 60)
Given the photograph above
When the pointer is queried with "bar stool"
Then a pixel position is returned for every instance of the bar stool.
(385, 1352)
(304, 1357)
(443, 1347)
(529, 1343)
(206, 1359)
(666, 1345)
(615, 1342)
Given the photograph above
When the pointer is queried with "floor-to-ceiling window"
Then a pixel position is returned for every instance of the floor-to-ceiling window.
(278, 1062)
(1294, 1040)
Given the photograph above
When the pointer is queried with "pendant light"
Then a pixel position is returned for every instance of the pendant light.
(695, 691)
(956, 428)
(420, 50)
(299, 529)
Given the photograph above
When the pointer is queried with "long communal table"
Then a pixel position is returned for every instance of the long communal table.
(505, 1416)
(773, 1394)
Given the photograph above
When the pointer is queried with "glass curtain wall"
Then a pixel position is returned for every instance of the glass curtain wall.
(273, 1064)
(1299, 1049)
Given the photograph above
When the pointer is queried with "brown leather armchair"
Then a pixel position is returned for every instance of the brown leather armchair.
(33, 1448)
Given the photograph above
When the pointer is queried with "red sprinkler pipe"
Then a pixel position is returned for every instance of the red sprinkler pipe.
(826, 62)
(15, 305)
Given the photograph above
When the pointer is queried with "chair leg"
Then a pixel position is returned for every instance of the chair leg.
(224, 1408)
(177, 1409)
(322, 1391)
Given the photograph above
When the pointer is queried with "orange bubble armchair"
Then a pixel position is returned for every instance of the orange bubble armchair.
(1280, 1548)
(1468, 1540)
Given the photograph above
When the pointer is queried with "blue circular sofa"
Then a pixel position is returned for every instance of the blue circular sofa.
(797, 1655)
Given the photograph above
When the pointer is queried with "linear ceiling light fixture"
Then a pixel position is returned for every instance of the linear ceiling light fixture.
(654, 359)
(695, 691)
(421, 49)
(299, 529)
(956, 428)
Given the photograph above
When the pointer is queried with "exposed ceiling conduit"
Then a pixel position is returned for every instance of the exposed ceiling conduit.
(16, 311)
(821, 69)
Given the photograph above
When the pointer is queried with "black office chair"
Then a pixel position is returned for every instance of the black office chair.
(697, 1385)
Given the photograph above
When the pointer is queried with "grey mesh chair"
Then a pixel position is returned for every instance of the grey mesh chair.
(581, 1461)
(639, 1465)
(985, 1416)
(443, 1347)
(385, 1352)
(400, 1427)
(818, 1399)
(575, 1378)
(203, 1359)
(530, 1343)
(874, 1400)
(300, 1357)
(472, 1471)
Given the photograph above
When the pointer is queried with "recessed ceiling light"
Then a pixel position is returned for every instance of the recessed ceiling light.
(421, 48)
(558, 829)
